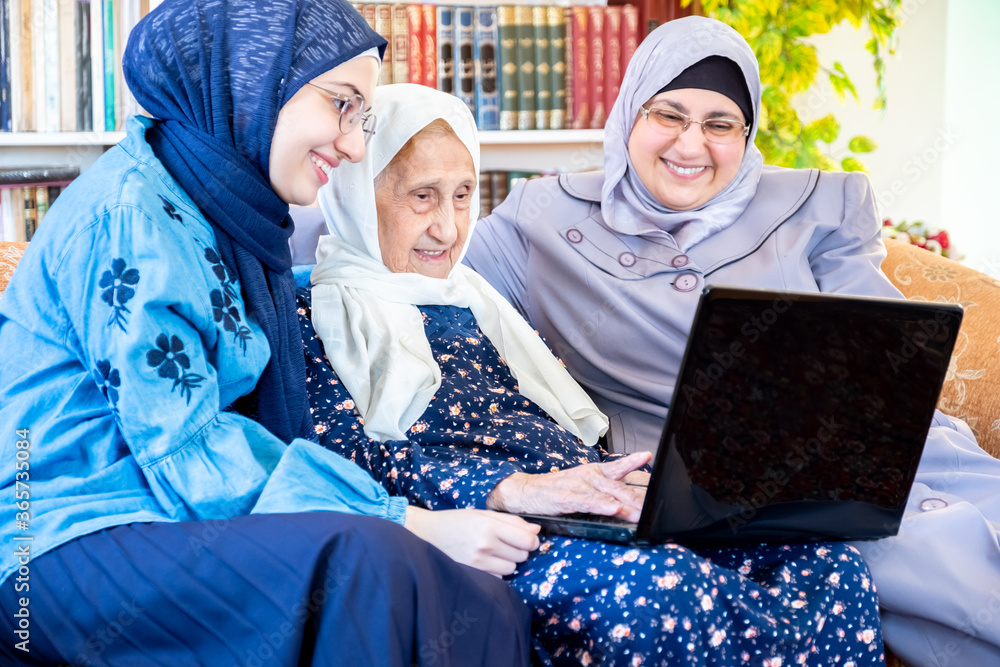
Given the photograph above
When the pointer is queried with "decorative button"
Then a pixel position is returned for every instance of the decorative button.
(686, 282)
(679, 261)
(626, 259)
(574, 236)
(933, 504)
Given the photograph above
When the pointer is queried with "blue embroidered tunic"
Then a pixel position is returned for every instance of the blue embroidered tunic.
(125, 340)
(595, 603)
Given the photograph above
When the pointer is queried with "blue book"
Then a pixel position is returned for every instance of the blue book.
(487, 91)
(4, 68)
(465, 57)
(446, 49)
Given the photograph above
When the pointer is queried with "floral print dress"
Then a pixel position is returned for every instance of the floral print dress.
(597, 603)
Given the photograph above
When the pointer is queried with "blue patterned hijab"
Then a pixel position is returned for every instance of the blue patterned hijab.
(215, 73)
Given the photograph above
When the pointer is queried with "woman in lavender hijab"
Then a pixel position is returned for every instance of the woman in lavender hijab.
(608, 266)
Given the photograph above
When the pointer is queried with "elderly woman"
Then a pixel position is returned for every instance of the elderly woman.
(432, 382)
(608, 266)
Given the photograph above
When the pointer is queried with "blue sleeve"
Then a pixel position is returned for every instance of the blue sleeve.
(161, 323)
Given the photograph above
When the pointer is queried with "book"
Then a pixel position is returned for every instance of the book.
(84, 88)
(526, 67)
(485, 55)
(16, 72)
(415, 30)
(4, 67)
(500, 182)
(630, 34)
(41, 203)
(8, 220)
(368, 13)
(66, 30)
(445, 48)
(595, 37)
(383, 26)
(485, 194)
(97, 64)
(36, 61)
(26, 71)
(28, 201)
(465, 63)
(400, 44)
(613, 56)
(580, 101)
(429, 28)
(543, 82)
(556, 20)
(37, 175)
(110, 86)
(507, 55)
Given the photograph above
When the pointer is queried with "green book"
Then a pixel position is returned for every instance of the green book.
(526, 67)
(109, 65)
(507, 57)
(556, 24)
(543, 80)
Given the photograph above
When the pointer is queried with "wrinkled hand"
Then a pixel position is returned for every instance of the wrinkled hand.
(596, 488)
(488, 541)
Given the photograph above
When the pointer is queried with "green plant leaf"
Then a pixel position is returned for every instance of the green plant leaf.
(862, 144)
(852, 164)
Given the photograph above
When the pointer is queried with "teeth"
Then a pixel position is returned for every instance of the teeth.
(432, 253)
(322, 164)
(686, 171)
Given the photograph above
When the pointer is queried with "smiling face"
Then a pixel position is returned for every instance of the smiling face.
(422, 198)
(684, 171)
(307, 139)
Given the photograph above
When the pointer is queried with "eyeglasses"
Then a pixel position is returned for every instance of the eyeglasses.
(717, 130)
(350, 109)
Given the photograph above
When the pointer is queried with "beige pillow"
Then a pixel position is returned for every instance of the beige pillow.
(972, 389)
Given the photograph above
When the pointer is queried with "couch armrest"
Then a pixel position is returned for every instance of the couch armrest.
(972, 389)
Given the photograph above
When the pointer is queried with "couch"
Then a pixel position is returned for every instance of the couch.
(972, 388)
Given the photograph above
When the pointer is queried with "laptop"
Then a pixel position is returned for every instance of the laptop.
(796, 417)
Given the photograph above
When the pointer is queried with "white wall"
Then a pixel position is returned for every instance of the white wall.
(929, 165)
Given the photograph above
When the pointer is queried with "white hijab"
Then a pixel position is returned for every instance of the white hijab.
(367, 316)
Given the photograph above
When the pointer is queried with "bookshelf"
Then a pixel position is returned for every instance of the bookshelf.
(510, 150)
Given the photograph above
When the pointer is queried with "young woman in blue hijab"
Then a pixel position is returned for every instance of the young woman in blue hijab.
(172, 506)
(609, 266)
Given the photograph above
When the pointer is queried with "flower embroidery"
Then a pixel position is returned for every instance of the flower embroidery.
(117, 283)
(939, 274)
(171, 362)
(170, 209)
(225, 311)
(221, 272)
(108, 379)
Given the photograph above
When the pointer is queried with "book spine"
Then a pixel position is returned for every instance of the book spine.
(27, 70)
(543, 80)
(430, 45)
(465, 59)
(612, 55)
(66, 31)
(368, 13)
(485, 194)
(556, 23)
(109, 65)
(17, 82)
(37, 74)
(415, 30)
(400, 44)
(507, 54)
(383, 26)
(17, 201)
(526, 67)
(446, 49)
(7, 232)
(581, 69)
(501, 186)
(4, 67)
(595, 33)
(485, 43)
(630, 34)
(84, 88)
(30, 221)
(41, 203)
(97, 63)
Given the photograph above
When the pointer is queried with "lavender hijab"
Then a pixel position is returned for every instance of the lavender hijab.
(626, 204)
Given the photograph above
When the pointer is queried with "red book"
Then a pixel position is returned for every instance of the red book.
(430, 45)
(595, 38)
(630, 34)
(414, 15)
(581, 68)
(612, 55)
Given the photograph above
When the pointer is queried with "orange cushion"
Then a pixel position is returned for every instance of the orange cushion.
(10, 253)
(972, 389)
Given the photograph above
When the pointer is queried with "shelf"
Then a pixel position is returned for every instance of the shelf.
(528, 150)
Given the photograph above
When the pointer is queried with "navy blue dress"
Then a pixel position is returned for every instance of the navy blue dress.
(596, 603)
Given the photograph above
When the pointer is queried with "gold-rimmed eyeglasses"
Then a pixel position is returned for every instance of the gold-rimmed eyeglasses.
(351, 112)
(717, 130)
